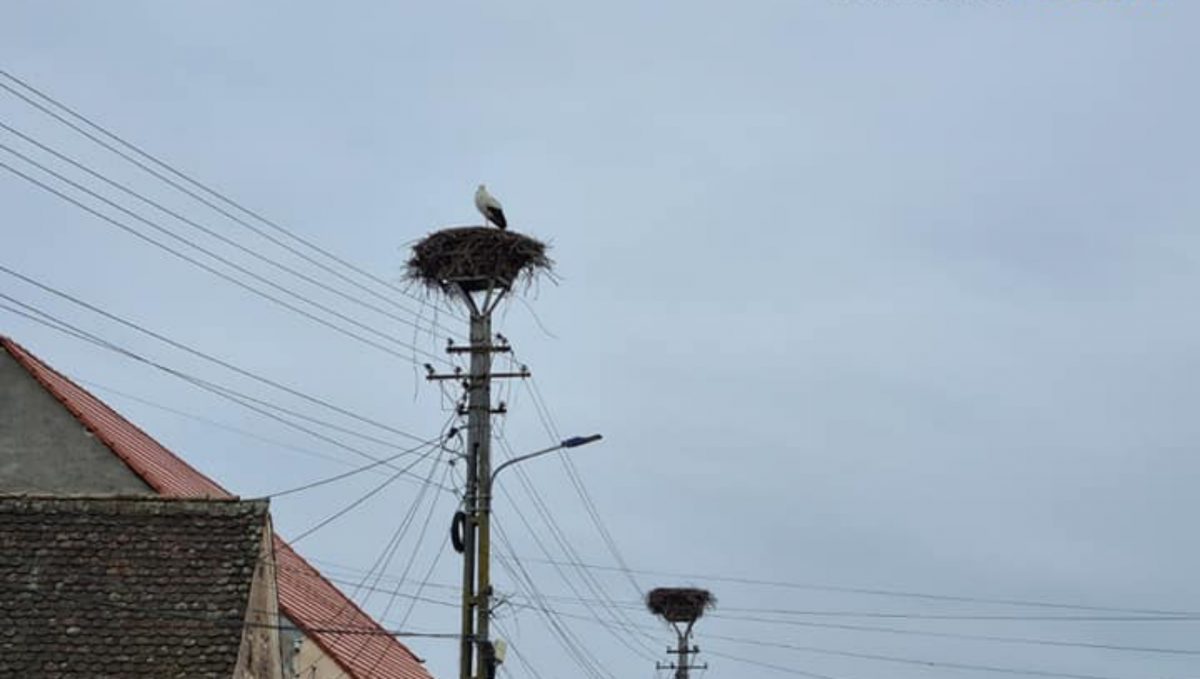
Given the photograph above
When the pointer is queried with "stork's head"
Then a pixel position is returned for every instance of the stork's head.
(481, 189)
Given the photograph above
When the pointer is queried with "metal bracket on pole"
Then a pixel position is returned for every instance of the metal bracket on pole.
(485, 349)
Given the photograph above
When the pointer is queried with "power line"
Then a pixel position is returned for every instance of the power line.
(968, 637)
(724, 613)
(938, 664)
(386, 590)
(387, 554)
(214, 360)
(169, 168)
(990, 637)
(38, 316)
(517, 652)
(924, 633)
(412, 560)
(376, 571)
(1165, 618)
(891, 593)
(589, 580)
(561, 633)
(211, 232)
(577, 482)
(348, 474)
(565, 636)
(416, 597)
(608, 626)
(241, 398)
(333, 565)
(767, 665)
(218, 618)
(216, 424)
(955, 616)
(247, 402)
(361, 499)
(168, 232)
(393, 545)
(216, 272)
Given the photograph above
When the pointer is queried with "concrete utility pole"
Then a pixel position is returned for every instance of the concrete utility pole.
(476, 654)
(477, 265)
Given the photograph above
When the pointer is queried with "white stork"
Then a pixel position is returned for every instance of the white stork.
(490, 208)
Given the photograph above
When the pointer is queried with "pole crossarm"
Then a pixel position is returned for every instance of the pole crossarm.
(487, 349)
(437, 377)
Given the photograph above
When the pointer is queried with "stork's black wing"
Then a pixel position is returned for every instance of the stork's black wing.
(497, 216)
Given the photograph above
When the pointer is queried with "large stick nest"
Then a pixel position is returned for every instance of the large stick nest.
(679, 604)
(476, 258)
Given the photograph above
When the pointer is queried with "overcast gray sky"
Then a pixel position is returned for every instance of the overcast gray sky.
(890, 295)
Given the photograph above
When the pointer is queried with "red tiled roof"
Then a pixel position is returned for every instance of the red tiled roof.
(305, 596)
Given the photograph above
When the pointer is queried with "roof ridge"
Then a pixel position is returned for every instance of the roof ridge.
(153, 504)
(123, 497)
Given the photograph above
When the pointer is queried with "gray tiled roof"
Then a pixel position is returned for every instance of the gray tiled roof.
(124, 587)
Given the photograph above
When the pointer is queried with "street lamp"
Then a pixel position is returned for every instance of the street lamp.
(573, 442)
(484, 519)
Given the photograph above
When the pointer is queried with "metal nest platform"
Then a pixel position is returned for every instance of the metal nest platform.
(679, 604)
(475, 258)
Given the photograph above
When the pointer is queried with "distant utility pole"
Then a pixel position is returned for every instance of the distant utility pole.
(683, 665)
(681, 607)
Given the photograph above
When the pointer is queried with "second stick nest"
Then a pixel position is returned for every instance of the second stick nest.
(679, 604)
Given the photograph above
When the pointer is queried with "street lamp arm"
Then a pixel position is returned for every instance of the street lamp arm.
(573, 442)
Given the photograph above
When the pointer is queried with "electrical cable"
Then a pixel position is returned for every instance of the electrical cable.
(759, 663)
(561, 632)
(872, 629)
(937, 664)
(955, 616)
(345, 475)
(910, 661)
(525, 662)
(238, 620)
(361, 499)
(412, 560)
(580, 487)
(378, 567)
(224, 276)
(217, 361)
(218, 425)
(245, 401)
(384, 560)
(416, 597)
(564, 543)
(213, 233)
(129, 145)
(996, 638)
(643, 652)
(1176, 614)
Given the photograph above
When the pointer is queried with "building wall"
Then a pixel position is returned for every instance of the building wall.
(310, 662)
(44, 449)
(260, 657)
